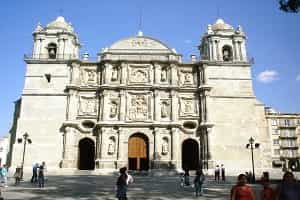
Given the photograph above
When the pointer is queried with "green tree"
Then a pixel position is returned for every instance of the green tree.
(289, 5)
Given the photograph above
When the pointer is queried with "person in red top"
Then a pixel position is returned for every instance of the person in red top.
(267, 192)
(242, 191)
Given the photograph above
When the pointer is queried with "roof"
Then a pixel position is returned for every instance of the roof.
(60, 23)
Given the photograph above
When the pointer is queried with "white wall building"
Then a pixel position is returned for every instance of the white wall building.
(139, 105)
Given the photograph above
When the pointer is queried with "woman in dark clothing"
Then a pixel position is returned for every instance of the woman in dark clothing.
(122, 184)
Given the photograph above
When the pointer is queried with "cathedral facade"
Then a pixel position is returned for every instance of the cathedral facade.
(138, 105)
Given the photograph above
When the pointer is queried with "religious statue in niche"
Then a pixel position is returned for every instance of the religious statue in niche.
(163, 75)
(164, 109)
(114, 74)
(165, 146)
(113, 109)
(111, 145)
(139, 109)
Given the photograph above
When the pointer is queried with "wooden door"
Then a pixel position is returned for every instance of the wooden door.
(137, 153)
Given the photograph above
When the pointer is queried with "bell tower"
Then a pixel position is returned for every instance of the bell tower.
(56, 41)
(222, 43)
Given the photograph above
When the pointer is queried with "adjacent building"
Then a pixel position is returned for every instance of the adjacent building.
(284, 130)
(139, 105)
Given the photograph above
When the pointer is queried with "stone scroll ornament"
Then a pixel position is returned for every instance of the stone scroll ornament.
(88, 105)
(139, 76)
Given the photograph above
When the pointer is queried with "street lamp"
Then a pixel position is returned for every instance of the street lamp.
(26, 139)
(252, 145)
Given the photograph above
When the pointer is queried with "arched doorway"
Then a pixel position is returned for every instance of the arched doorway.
(190, 155)
(86, 160)
(138, 152)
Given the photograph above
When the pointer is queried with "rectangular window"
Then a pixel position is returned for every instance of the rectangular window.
(274, 122)
(287, 122)
(277, 151)
(275, 141)
(275, 131)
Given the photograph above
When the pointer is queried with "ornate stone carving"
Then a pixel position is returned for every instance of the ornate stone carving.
(188, 78)
(89, 77)
(141, 42)
(187, 106)
(139, 76)
(138, 107)
(88, 106)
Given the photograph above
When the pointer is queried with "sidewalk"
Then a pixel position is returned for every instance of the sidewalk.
(96, 187)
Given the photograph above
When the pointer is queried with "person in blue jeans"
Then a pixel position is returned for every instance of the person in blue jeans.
(198, 182)
(34, 173)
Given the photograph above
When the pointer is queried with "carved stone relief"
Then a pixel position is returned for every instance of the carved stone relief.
(138, 107)
(186, 78)
(89, 77)
(87, 106)
(139, 74)
(188, 106)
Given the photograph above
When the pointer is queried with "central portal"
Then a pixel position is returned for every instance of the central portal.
(138, 152)
(190, 155)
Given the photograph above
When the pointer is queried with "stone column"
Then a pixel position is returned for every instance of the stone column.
(60, 50)
(98, 144)
(235, 56)
(72, 105)
(122, 105)
(105, 107)
(243, 50)
(174, 76)
(218, 49)
(157, 69)
(123, 76)
(211, 51)
(240, 50)
(70, 150)
(214, 52)
(156, 106)
(175, 147)
(174, 108)
(208, 141)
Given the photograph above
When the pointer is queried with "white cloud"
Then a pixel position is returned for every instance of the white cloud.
(298, 77)
(268, 76)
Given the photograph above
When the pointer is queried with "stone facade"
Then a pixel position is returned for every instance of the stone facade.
(139, 105)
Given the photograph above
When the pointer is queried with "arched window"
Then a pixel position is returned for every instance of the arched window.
(52, 49)
(227, 53)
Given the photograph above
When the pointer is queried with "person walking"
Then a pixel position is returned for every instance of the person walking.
(186, 177)
(242, 191)
(34, 173)
(217, 174)
(288, 189)
(17, 175)
(198, 182)
(4, 175)
(267, 192)
(121, 192)
(223, 173)
(41, 176)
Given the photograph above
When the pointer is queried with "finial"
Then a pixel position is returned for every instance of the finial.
(239, 29)
(140, 33)
(38, 27)
(209, 29)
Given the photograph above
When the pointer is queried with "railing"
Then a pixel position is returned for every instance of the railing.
(232, 60)
(290, 123)
(288, 135)
(48, 57)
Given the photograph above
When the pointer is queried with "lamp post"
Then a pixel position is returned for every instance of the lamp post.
(252, 145)
(26, 139)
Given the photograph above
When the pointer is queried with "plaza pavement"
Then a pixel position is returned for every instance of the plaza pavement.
(94, 187)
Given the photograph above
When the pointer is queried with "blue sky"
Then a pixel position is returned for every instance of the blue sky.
(273, 38)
